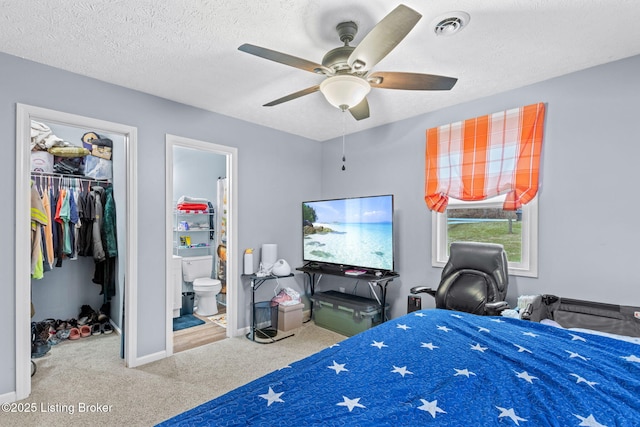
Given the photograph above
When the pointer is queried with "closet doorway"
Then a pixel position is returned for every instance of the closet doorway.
(124, 159)
(203, 170)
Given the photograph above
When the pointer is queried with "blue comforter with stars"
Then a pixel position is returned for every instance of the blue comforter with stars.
(444, 368)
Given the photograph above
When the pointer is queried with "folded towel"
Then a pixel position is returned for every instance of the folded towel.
(192, 207)
(188, 199)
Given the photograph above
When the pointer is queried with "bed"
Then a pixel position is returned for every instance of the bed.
(444, 368)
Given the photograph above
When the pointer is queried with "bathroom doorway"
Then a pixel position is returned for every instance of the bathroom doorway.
(201, 170)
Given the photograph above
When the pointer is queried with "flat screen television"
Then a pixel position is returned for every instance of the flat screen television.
(350, 232)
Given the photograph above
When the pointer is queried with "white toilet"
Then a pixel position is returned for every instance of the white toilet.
(197, 270)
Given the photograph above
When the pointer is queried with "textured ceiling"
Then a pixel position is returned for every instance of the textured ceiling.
(186, 50)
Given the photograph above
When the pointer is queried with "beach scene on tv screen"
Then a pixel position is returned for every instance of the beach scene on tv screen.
(351, 232)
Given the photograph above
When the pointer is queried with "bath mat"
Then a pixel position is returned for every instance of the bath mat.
(186, 321)
(219, 319)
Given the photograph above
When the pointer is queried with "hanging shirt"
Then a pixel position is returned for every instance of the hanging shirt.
(38, 219)
(73, 220)
(59, 228)
(65, 214)
(48, 229)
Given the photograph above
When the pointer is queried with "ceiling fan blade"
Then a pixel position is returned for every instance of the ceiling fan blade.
(283, 58)
(294, 95)
(383, 38)
(410, 81)
(360, 111)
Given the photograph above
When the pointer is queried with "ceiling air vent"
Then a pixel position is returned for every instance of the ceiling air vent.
(450, 23)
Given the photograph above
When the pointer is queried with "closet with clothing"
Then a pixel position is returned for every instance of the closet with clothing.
(75, 273)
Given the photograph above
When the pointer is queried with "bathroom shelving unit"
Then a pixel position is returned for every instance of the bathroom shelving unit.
(192, 232)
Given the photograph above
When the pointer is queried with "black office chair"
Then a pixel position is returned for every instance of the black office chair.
(474, 280)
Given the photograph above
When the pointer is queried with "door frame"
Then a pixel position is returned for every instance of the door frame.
(24, 115)
(231, 154)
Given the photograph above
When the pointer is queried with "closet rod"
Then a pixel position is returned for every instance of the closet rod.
(67, 175)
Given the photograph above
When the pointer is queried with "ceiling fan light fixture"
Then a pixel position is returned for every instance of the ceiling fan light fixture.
(450, 23)
(344, 91)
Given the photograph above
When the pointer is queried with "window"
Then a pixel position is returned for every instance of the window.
(486, 221)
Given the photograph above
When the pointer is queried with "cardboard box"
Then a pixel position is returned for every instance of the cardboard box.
(289, 317)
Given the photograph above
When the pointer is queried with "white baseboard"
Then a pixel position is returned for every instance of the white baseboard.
(139, 361)
(8, 397)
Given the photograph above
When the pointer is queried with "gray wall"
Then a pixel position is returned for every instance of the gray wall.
(587, 225)
(588, 228)
(267, 161)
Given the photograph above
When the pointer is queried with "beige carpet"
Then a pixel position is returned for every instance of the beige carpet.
(75, 375)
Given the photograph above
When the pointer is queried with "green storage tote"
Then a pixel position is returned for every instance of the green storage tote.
(343, 313)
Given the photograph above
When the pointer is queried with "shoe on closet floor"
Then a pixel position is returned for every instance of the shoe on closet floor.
(85, 331)
(87, 315)
(96, 329)
(74, 333)
(63, 334)
(39, 348)
(106, 328)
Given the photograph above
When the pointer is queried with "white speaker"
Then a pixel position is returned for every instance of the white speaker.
(281, 268)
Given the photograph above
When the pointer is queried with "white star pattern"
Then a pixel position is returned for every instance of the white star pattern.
(457, 316)
(429, 345)
(573, 354)
(272, 396)
(464, 372)
(402, 371)
(590, 421)
(338, 367)
(632, 358)
(308, 383)
(511, 414)
(582, 380)
(419, 314)
(525, 376)
(577, 338)
(431, 407)
(479, 348)
(497, 320)
(334, 345)
(351, 403)
(521, 349)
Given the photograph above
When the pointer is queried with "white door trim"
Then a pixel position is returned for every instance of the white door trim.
(24, 115)
(231, 154)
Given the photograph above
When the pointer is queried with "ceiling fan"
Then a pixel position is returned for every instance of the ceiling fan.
(348, 68)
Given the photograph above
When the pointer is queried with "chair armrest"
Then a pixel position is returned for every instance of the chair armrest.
(423, 289)
(496, 307)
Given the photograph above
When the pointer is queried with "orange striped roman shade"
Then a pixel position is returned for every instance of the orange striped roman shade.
(484, 157)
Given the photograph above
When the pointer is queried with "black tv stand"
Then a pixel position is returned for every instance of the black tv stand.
(379, 278)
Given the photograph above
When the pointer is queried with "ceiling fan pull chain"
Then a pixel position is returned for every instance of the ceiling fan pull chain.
(343, 132)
